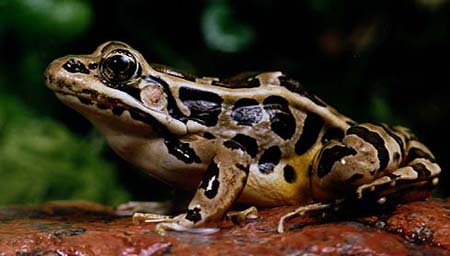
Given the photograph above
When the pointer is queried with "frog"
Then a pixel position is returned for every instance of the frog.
(258, 139)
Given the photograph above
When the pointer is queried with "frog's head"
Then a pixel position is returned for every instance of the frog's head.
(115, 86)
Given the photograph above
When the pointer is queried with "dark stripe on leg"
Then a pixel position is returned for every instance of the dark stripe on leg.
(376, 140)
(399, 141)
(415, 153)
(422, 171)
(329, 156)
(210, 182)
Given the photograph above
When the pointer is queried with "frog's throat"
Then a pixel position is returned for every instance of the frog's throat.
(137, 111)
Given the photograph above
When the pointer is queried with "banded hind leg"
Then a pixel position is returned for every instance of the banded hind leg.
(418, 169)
(367, 159)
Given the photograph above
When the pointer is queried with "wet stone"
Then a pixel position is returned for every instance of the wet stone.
(83, 228)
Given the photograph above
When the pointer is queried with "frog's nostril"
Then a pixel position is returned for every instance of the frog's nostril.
(75, 66)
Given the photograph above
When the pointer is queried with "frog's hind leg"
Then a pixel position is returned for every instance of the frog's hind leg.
(221, 185)
(368, 157)
(419, 169)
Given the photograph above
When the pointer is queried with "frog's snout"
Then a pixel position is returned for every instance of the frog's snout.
(74, 65)
(51, 74)
(62, 69)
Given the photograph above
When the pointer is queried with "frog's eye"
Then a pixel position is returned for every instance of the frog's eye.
(119, 67)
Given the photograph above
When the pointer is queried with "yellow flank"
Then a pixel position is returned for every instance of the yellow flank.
(300, 189)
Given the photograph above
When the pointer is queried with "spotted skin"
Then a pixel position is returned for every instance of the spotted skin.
(210, 194)
(330, 155)
(332, 133)
(193, 215)
(247, 112)
(312, 126)
(289, 174)
(182, 151)
(244, 142)
(385, 146)
(269, 159)
(256, 138)
(210, 182)
(282, 121)
(204, 107)
(376, 140)
(75, 66)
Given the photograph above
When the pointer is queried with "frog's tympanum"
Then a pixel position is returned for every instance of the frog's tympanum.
(256, 138)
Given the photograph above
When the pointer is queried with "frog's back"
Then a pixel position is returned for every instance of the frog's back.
(281, 125)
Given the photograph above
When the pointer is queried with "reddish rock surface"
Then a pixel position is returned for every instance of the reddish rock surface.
(81, 228)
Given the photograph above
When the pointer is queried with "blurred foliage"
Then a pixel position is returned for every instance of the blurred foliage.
(381, 61)
(52, 17)
(41, 160)
(221, 31)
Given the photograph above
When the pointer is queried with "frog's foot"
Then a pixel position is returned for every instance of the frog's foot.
(306, 209)
(238, 217)
(163, 227)
(168, 223)
(418, 172)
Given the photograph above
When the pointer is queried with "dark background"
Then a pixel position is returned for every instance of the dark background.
(375, 61)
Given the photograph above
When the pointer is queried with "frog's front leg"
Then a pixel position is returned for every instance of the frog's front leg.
(222, 183)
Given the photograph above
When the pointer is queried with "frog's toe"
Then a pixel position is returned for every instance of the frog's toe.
(238, 217)
(168, 223)
(139, 217)
(161, 228)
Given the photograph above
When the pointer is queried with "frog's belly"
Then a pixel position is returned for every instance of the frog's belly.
(268, 190)
(151, 156)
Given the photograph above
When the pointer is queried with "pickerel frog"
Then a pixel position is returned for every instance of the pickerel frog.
(260, 139)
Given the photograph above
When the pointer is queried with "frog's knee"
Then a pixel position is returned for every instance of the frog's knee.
(340, 167)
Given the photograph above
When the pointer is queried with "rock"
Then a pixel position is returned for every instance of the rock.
(83, 228)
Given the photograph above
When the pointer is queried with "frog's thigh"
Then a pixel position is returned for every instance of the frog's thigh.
(222, 183)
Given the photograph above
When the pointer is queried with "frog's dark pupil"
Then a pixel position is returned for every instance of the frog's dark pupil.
(119, 63)
(118, 68)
